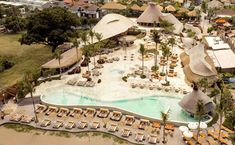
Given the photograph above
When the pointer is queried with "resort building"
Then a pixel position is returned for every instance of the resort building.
(221, 54)
(197, 64)
(153, 15)
(68, 59)
(214, 4)
(113, 7)
(189, 102)
(112, 25)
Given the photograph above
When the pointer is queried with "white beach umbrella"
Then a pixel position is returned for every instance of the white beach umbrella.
(188, 134)
(193, 125)
(183, 128)
(203, 125)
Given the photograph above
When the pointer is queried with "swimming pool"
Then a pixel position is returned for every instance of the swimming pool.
(148, 106)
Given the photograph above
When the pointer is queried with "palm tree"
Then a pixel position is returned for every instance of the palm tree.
(166, 52)
(84, 37)
(203, 83)
(57, 55)
(172, 42)
(156, 38)
(99, 38)
(200, 111)
(91, 34)
(76, 44)
(225, 104)
(87, 52)
(165, 117)
(142, 52)
(29, 87)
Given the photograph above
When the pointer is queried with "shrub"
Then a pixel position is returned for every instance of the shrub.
(142, 76)
(228, 123)
(154, 68)
(124, 78)
(162, 74)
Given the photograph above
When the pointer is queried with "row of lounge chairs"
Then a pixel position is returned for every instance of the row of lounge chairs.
(83, 83)
(18, 117)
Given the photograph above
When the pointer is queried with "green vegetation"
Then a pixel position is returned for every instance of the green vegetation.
(26, 58)
(52, 26)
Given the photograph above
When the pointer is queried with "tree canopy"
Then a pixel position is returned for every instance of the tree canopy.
(15, 23)
(52, 26)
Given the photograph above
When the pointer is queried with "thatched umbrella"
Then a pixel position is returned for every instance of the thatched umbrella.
(189, 102)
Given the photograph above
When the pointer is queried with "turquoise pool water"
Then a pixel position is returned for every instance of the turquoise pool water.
(146, 106)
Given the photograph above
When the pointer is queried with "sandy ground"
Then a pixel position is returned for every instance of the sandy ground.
(11, 137)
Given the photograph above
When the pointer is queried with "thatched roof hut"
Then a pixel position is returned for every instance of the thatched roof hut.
(113, 6)
(68, 58)
(135, 7)
(192, 13)
(170, 8)
(197, 64)
(150, 15)
(189, 102)
(183, 10)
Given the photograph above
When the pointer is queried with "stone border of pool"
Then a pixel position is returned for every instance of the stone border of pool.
(124, 112)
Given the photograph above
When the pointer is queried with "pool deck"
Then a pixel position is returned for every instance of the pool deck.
(27, 109)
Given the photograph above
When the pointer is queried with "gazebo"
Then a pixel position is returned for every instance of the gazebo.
(189, 102)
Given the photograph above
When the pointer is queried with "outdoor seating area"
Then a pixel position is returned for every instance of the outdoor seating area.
(101, 120)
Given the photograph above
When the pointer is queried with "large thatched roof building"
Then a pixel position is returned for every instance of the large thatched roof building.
(197, 64)
(152, 15)
(113, 24)
(189, 102)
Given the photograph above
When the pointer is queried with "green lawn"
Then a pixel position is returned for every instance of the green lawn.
(26, 57)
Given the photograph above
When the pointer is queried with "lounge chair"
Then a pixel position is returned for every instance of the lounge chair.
(16, 117)
(90, 84)
(126, 133)
(226, 129)
(212, 141)
(140, 137)
(103, 113)
(82, 124)
(170, 127)
(81, 83)
(75, 111)
(113, 128)
(45, 123)
(90, 112)
(153, 139)
(70, 125)
(40, 108)
(58, 124)
(27, 119)
(72, 82)
(95, 125)
(143, 124)
(63, 112)
(129, 120)
(116, 116)
(156, 124)
(51, 110)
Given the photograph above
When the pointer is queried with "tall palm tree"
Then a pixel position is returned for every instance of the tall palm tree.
(165, 117)
(29, 87)
(156, 38)
(142, 52)
(57, 55)
(84, 37)
(76, 44)
(87, 52)
(166, 52)
(200, 111)
(91, 34)
(172, 42)
(225, 104)
(99, 38)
